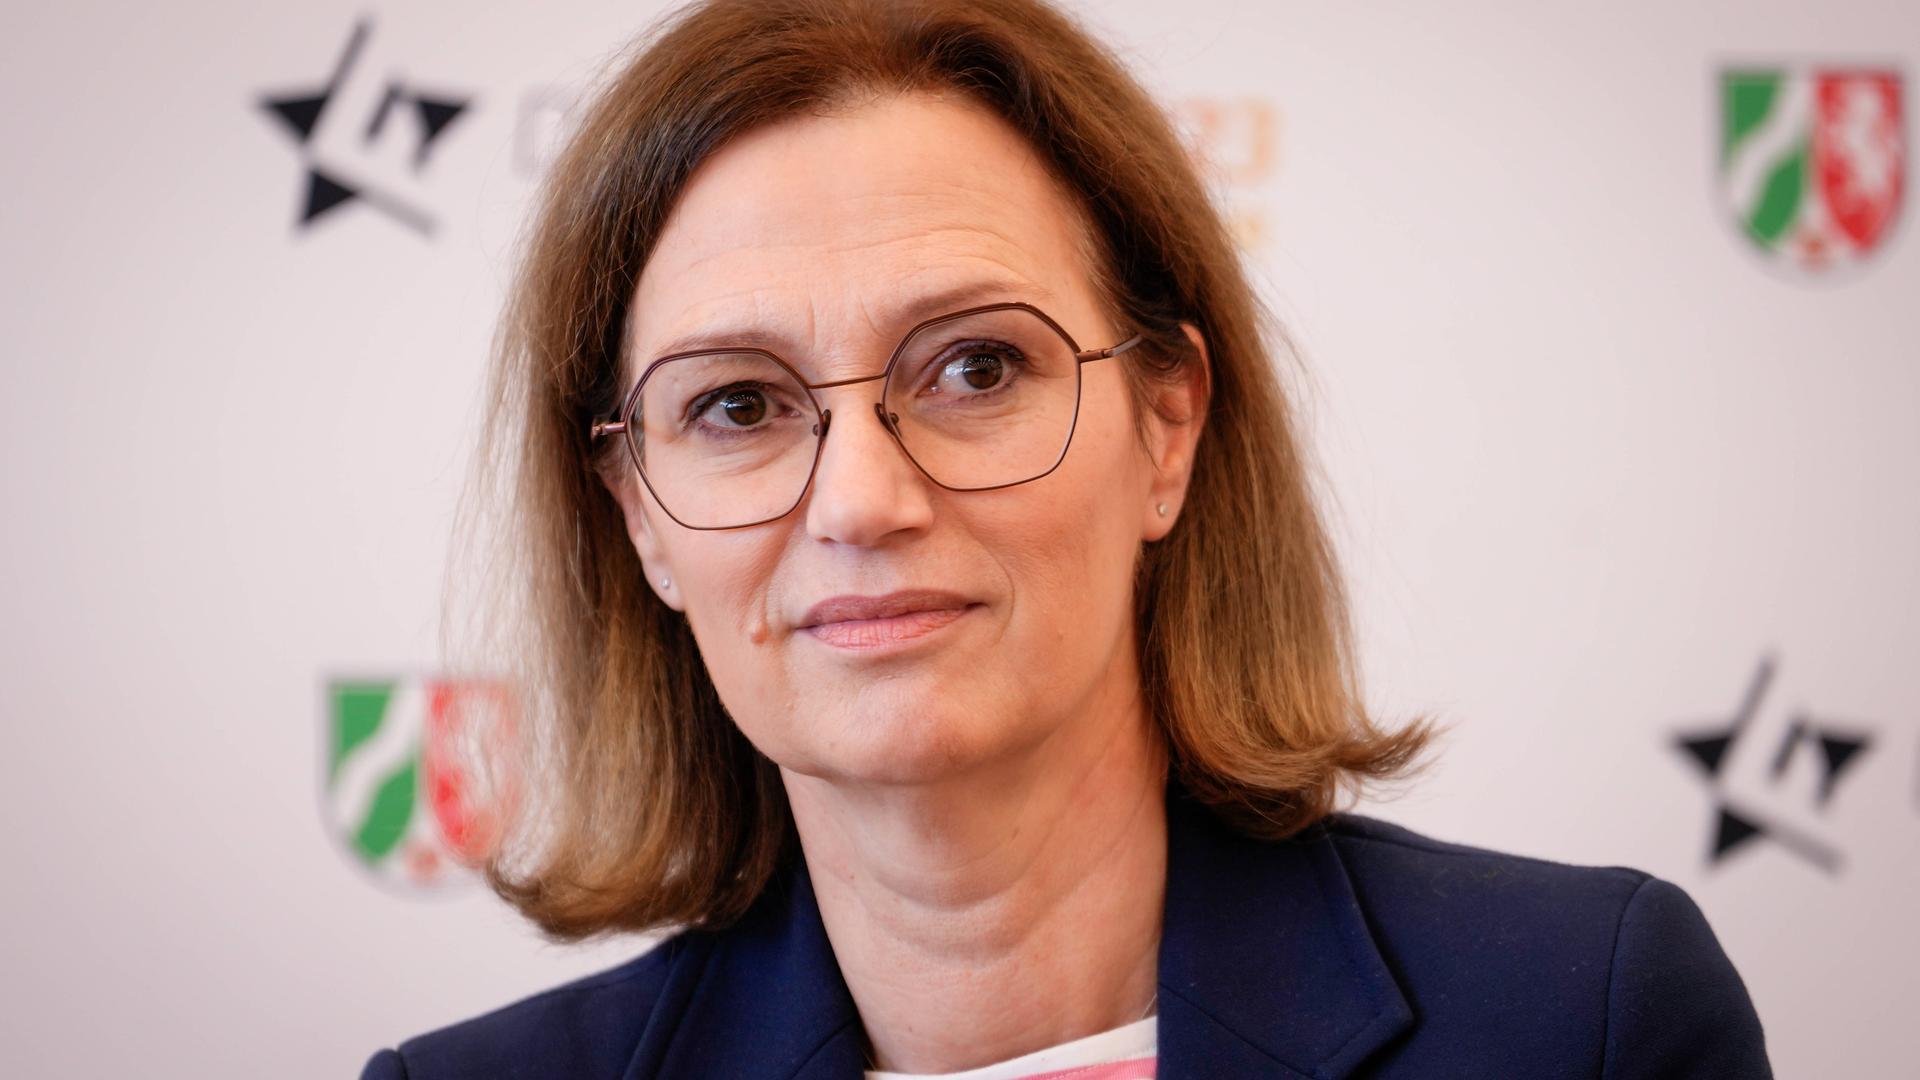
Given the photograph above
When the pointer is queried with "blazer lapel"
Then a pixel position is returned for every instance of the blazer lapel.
(762, 999)
(1267, 967)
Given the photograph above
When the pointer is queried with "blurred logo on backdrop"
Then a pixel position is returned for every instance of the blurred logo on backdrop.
(365, 138)
(406, 788)
(1237, 141)
(1819, 751)
(1813, 160)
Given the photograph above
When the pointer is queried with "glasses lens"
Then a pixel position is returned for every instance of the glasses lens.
(986, 399)
(724, 440)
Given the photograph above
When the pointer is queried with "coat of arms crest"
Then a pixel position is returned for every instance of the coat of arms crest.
(407, 788)
(1813, 160)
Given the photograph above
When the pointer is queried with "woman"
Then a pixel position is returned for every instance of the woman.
(920, 582)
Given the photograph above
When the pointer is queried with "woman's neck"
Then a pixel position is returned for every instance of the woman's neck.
(1001, 912)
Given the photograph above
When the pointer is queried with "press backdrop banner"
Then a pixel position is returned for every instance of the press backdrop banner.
(1608, 348)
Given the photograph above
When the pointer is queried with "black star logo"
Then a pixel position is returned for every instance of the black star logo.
(328, 186)
(1735, 825)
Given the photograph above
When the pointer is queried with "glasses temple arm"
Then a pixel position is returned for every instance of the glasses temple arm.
(1115, 350)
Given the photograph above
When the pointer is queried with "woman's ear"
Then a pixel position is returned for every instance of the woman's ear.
(1172, 442)
(637, 508)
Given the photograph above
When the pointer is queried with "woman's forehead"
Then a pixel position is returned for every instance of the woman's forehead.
(888, 314)
(857, 224)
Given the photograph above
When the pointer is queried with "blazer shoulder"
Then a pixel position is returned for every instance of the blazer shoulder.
(586, 1027)
(1615, 958)
(1369, 840)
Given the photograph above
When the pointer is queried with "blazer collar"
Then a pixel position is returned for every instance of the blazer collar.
(761, 1000)
(1266, 968)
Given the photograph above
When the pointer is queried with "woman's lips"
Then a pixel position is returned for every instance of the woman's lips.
(874, 633)
(871, 622)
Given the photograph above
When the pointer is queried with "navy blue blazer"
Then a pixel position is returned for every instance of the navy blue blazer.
(1355, 949)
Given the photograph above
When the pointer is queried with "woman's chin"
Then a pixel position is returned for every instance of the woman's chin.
(891, 752)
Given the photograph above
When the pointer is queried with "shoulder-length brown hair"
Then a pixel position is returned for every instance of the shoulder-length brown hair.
(643, 805)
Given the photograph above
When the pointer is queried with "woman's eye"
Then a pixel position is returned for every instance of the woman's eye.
(974, 371)
(980, 370)
(739, 408)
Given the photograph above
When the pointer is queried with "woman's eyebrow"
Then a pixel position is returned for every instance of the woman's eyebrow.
(721, 335)
(901, 316)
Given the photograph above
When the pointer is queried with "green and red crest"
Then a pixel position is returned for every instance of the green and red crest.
(407, 790)
(1813, 160)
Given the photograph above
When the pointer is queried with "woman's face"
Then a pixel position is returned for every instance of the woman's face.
(826, 239)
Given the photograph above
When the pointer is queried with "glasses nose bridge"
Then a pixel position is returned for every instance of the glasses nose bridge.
(834, 383)
(826, 410)
(888, 421)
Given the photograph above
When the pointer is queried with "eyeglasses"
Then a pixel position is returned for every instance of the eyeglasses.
(978, 399)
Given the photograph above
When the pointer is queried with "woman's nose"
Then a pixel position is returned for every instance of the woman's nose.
(865, 489)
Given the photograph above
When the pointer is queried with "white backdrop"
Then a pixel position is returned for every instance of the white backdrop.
(1594, 456)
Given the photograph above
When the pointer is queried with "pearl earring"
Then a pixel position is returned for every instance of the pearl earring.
(1162, 507)
(666, 583)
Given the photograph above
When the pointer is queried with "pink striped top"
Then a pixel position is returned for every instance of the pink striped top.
(1124, 1053)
